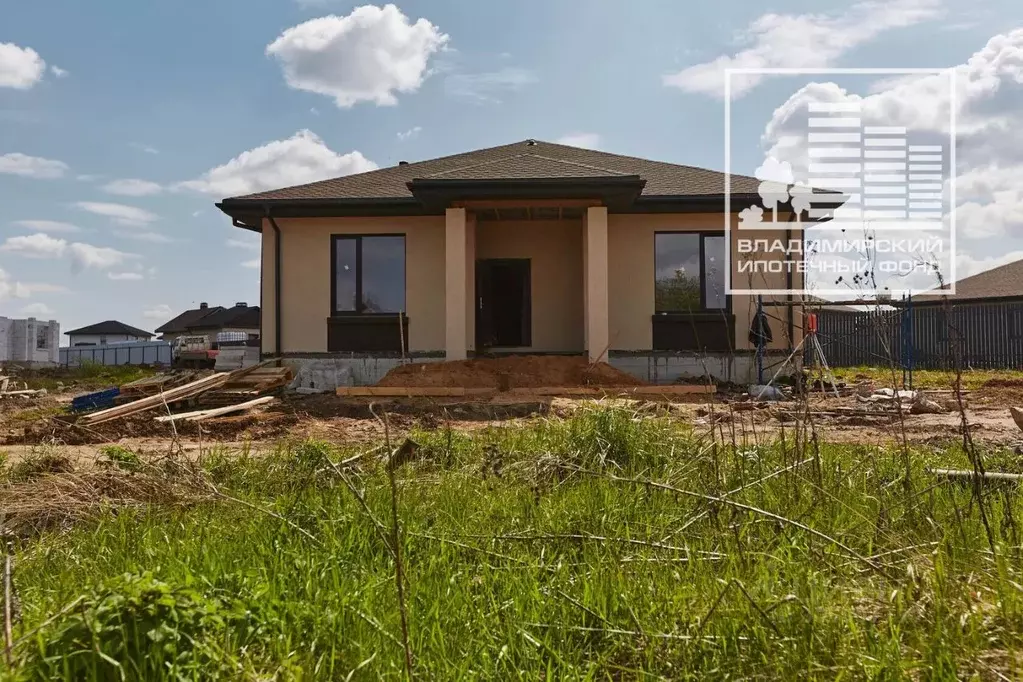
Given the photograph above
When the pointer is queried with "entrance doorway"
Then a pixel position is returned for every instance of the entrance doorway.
(503, 312)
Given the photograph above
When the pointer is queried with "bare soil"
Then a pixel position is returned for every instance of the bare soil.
(526, 371)
(28, 424)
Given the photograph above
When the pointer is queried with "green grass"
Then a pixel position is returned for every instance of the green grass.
(88, 376)
(520, 566)
(928, 378)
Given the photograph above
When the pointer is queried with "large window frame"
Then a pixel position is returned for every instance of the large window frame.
(360, 310)
(703, 309)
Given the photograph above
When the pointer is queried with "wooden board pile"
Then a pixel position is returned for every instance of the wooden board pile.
(238, 384)
(251, 384)
(149, 386)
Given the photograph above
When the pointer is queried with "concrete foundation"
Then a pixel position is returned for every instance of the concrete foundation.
(326, 373)
(329, 373)
(664, 368)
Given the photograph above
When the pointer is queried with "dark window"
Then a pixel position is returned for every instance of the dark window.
(689, 272)
(368, 274)
(42, 340)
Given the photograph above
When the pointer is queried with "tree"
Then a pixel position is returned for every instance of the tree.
(678, 293)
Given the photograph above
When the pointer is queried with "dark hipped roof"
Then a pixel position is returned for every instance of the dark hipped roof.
(1002, 282)
(529, 159)
(109, 327)
(243, 316)
(182, 322)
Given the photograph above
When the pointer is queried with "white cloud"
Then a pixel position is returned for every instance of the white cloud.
(253, 264)
(10, 289)
(37, 245)
(120, 213)
(801, 41)
(300, 159)
(988, 111)
(989, 211)
(145, 148)
(161, 311)
(241, 244)
(87, 177)
(57, 71)
(369, 55)
(82, 255)
(151, 237)
(33, 288)
(131, 187)
(16, 163)
(47, 225)
(37, 310)
(20, 67)
(98, 257)
(410, 133)
(585, 140)
(125, 276)
(488, 87)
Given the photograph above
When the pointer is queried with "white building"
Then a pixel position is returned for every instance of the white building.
(29, 341)
(105, 334)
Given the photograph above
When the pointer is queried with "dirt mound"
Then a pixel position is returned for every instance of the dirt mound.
(517, 371)
(1003, 383)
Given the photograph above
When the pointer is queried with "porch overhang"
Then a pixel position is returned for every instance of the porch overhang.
(617, 192)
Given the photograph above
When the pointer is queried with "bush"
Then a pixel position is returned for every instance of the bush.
(137, 627)
(120, 457)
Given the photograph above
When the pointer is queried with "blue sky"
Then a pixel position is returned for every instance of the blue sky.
(161, 94)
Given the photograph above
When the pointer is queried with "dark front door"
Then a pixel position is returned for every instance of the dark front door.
(503, 316)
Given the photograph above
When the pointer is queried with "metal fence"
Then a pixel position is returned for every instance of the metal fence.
(989, 335)
(135, 353)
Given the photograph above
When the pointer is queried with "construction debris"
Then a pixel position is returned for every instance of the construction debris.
(160, 383)
(985, 476)
(200, 415)
(100, 400)
(190, 390)
(248, 383)
(922, 405)
(1017, 416)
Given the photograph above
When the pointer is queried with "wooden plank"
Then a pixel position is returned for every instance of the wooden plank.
(680, 389)
(413, 391)
(152, 402)
(199, 415)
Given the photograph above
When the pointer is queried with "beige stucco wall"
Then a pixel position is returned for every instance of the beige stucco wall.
(306, 285)
(555, 250)
(631, 279)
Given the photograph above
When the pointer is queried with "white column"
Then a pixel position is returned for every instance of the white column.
(595, 245)
(455, 298)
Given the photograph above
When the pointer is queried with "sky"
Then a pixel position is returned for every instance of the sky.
(123, 122)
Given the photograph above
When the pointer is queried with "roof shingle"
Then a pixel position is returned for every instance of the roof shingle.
(109, 327)
(1001, 282)
(529, 159)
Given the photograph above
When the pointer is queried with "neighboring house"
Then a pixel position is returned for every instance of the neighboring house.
(1001, 284)
(980, 326)
(209, 321)
(106, 333)
(29, 341)
(530, 247)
